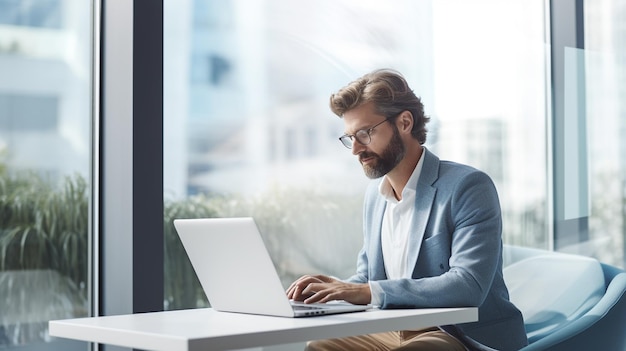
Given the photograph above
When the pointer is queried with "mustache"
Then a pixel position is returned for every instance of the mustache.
(366, 154)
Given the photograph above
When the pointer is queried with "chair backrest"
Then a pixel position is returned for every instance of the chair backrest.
(552, 290)
(600, 325)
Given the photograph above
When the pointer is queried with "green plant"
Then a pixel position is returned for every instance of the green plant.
(43, 227)
(43, 253)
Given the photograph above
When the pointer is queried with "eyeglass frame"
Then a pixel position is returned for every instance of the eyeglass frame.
(368, 131)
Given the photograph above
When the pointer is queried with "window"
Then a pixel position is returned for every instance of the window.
(604, 73)
(250, 82)
(45, 156)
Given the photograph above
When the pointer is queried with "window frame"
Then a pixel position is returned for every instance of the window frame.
(130, 168)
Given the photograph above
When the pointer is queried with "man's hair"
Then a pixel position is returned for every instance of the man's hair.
(389, 92)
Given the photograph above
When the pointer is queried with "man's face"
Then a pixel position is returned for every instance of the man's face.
(385, 149)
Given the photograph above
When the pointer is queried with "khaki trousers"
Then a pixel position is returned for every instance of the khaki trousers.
(431, 339)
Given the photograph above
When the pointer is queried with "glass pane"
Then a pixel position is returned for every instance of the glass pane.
(605, 74)
(490, 105)
(45, 150)
(248, 131)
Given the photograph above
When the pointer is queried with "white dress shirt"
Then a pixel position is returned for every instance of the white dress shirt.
(396, 229)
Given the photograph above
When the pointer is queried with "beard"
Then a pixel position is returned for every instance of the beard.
(388, 160)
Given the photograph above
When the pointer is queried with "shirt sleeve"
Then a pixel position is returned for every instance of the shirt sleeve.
(377, 293)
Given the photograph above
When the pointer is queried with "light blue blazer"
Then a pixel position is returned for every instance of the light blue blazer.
(457, 252)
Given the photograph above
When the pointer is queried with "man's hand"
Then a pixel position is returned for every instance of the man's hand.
(322, 288)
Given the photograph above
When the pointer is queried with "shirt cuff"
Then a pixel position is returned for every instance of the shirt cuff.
(377, 293)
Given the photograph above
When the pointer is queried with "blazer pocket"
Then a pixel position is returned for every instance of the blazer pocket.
(434, 256)
(437, 243)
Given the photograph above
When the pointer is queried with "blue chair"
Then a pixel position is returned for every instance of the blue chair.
(569, 302)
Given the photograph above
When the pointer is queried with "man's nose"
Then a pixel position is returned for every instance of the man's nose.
(357, 147)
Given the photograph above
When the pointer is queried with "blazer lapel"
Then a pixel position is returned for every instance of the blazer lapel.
(376, 263)
(424, 198)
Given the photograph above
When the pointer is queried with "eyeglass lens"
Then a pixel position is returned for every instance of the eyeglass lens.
(362, 136)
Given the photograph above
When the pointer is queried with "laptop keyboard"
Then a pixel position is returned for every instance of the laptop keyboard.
(305, 308)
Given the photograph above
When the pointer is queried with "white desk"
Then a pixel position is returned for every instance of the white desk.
(207, 329)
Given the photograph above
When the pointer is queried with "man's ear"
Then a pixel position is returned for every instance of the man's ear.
(405, 121)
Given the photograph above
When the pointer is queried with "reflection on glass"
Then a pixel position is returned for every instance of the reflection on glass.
(45, 95)
(248, 131)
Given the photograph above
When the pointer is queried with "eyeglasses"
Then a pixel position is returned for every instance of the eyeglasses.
(363, 136)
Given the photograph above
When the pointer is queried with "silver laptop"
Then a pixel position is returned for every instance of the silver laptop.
(237, 273)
